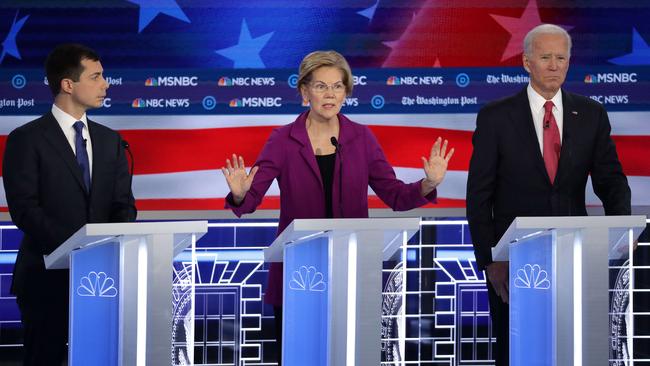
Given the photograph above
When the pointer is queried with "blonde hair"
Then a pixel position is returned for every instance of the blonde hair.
(318, 59)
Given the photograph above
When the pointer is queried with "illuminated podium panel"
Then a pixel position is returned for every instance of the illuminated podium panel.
(560, 286)
(121, 291)
(332, 287)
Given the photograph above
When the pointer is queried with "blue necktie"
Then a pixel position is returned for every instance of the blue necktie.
(82, 153)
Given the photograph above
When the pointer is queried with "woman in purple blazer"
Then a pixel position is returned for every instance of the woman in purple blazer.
(324, 162)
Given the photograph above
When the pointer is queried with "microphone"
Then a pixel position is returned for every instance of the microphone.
(547, 124)
(337, 146)
(126, 147)
(335, 142)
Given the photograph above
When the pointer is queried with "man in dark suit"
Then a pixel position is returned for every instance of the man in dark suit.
(533, 153)
(60, 172)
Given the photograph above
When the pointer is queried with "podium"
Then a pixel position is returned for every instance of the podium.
(121, 290)
(332, 287)
(560, 286)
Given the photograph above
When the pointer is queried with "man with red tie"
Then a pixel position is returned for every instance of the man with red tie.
(533, 153)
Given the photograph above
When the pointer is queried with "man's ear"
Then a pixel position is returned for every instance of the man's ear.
(524, 61)
(66, 86)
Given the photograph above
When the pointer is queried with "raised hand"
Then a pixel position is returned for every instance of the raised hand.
(238, 180)
(435, 167)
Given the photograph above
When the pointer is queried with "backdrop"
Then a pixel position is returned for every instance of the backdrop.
(194, 81)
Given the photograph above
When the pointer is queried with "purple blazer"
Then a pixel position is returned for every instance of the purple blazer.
(288, 157)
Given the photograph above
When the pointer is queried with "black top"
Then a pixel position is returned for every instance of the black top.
(326, 166)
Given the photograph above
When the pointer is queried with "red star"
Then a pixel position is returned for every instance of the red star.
(518, 27)
(457, 33)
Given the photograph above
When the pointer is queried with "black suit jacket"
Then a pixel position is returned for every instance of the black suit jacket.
(45, 193)
(507, 177)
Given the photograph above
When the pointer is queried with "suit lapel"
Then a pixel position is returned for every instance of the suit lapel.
(347, 133)
(54, 135)
(98, 147)
(570, 119)
(523, 122)
(299, 133)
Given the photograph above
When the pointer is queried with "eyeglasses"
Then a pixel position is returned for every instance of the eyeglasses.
(321, 88)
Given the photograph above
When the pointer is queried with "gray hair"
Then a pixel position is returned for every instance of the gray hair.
(544, 29)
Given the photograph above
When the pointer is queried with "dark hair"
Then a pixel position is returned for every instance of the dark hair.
(64, 62)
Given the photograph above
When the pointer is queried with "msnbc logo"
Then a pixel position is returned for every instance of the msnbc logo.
(612, 78)
(255, 102)
(172, 81)
(151, 82)
(225, 81)
(589, 79)
(393, 80)
(137, 103)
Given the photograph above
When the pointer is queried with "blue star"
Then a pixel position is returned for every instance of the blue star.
(246, 53)
(9, 46)
(149, 9)
(640, 54)
(370, 12)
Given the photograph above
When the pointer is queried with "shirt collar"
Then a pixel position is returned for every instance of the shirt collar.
(537, 101)
(65, 120)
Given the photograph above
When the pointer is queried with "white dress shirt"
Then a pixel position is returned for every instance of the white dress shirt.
(66, 122)
(536, 102)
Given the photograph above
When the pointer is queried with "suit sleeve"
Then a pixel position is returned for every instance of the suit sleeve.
(269, 162)
(608, 180)
(644, 237)
(123, 206)
(481, 183)
(20, 173)
(398, 195)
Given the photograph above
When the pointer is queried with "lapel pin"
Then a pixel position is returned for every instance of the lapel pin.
(575, 113)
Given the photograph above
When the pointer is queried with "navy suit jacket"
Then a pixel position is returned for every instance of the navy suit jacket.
(507, 177)
(46, 196)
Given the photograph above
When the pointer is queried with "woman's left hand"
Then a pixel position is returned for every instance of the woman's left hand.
(435, 167)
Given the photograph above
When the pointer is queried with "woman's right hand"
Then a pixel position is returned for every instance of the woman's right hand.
(238, 180)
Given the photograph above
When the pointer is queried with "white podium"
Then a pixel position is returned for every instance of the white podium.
(121, 290)
(560, 286)
(332, 287)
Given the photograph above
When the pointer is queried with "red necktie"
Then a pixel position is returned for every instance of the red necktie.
(552, 143)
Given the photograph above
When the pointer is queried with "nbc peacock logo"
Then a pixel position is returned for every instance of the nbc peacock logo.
(97, 284)
(225, 81)
(151, 82)
(235, 103)
(393, 80)
(532, 276)
(590, 79)
(137, 103)
(307, 279)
